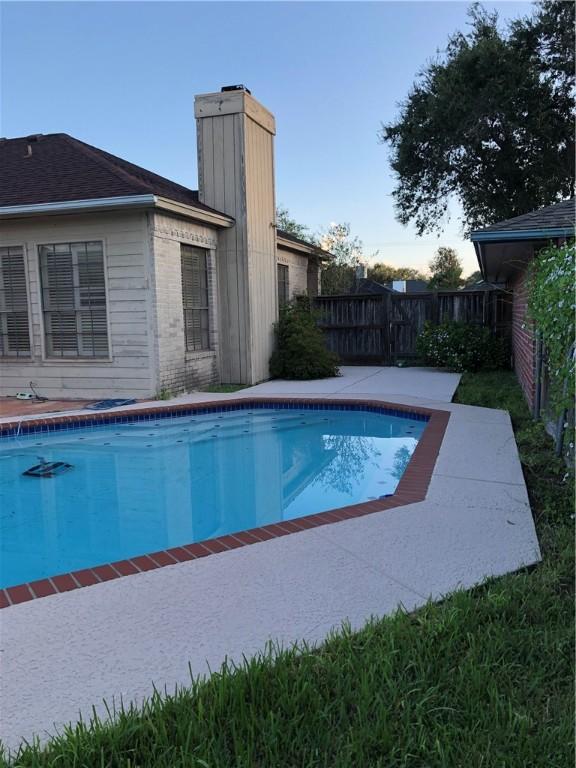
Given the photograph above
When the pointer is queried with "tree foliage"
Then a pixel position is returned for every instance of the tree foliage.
(490, 122)
(338, 274)
(445, 269)
(473, 277)
(385, 273)
(285, 222)
(552, 307)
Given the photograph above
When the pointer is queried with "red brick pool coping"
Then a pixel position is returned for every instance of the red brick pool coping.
(412, 488)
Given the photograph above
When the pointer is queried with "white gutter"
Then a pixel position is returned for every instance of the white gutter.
(497, 236)
(112, 203)
(67, 206)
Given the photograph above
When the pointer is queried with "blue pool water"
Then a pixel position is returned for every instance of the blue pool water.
(146, 486)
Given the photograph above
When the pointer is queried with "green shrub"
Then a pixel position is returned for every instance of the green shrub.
(462, 347)
(300, 350)
(551, 307)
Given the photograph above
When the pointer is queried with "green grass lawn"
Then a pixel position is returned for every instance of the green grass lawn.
(482, 680)
(225, 388)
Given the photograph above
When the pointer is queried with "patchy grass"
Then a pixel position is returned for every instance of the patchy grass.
(482, 680)
(225, 388)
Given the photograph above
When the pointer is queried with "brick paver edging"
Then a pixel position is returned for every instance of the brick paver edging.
(412, 486)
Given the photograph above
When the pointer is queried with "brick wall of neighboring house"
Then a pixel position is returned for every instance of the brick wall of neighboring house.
(523, 338)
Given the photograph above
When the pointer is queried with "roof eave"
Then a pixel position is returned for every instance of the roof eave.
(480, 258)
(481, 236)
(74, 206)
(214, 218)
(308, 250)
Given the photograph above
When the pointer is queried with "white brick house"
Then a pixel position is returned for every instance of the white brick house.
(115, 281)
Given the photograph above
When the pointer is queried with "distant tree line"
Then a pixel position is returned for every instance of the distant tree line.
(339, 274)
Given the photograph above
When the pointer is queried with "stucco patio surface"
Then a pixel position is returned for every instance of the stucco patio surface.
(65, 653)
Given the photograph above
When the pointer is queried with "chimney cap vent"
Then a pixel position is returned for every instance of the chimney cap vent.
(235, 88)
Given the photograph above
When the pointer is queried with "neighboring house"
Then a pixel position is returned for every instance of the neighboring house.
(364, 285)
(480, 285)
(408, 286)
(504, 252)
(115, 281)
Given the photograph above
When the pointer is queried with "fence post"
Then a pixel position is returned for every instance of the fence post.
(435, 308)
(385, 324)
(492, 312)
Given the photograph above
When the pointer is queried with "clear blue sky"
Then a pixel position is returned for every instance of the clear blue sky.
(122, 76)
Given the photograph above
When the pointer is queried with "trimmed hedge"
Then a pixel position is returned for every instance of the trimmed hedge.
(462, 347)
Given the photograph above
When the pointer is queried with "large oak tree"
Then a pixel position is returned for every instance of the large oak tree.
(490, 122)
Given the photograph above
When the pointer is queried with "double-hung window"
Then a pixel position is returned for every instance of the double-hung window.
(283, 288)
(195, 299)
(14, 323)
(74, 300)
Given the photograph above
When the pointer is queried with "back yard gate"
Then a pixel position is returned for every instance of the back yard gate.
(382, 328)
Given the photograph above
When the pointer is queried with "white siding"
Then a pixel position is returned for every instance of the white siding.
(130, 371)
(179, 370)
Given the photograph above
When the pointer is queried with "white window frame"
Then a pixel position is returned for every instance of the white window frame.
(207, 308)
(74, 237)
(21, 358)
(286, 283)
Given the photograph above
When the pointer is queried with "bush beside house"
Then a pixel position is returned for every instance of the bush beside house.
(300, 349)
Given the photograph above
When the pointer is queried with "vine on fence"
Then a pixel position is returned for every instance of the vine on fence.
(551, 307)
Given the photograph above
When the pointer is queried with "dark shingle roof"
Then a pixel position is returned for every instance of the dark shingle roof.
(58, 167)
(413, 285)
(289, 236)
(552, 218)
(479, 285)
(364, 285)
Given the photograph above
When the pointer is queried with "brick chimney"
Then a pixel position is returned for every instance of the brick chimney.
(236, 176)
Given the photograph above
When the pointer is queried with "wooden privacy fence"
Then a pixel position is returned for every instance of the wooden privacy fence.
(382, 328)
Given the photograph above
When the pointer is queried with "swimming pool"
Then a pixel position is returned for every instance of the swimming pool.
(143, 485)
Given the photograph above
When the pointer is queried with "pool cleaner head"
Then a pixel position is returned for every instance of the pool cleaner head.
(48, 469)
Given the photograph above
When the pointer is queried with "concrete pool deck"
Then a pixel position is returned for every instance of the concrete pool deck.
(65, 653)
(423, 383)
